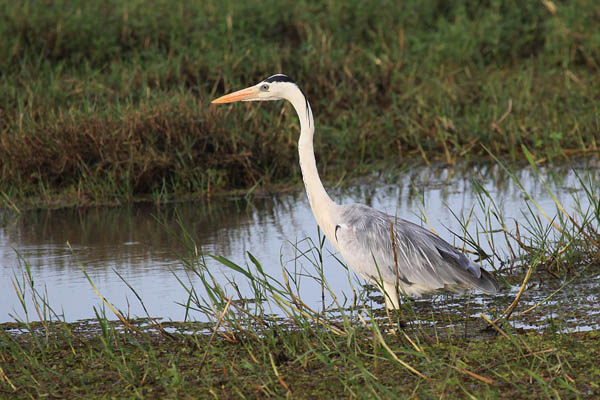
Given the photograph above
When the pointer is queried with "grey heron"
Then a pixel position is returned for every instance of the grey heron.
(390, 252)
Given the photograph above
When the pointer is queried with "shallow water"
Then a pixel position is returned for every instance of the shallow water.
(141, 242)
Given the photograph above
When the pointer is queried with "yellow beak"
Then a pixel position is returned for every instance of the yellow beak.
(241, 95)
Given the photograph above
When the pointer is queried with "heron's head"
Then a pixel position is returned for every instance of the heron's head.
(276, 87)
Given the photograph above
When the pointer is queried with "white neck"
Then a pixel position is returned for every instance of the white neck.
(322, 206)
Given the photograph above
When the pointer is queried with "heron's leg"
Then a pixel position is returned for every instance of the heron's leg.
(391, 296)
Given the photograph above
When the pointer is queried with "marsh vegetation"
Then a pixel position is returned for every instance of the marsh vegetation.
(109, 102)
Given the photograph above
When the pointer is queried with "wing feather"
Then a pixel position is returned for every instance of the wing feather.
(363, 237)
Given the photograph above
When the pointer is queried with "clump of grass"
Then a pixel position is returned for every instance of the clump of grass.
(297, 364)
(109, 102)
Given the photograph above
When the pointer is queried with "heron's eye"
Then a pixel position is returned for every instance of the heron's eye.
(264, 88)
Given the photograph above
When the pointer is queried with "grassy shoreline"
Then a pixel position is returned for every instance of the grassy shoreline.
(76, 361)
(110, 102)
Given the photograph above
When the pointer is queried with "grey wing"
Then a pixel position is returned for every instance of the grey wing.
(425, 261)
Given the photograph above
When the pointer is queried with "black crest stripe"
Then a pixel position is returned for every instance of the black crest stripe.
(279, 78)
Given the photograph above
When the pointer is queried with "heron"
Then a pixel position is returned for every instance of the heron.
(394, 254)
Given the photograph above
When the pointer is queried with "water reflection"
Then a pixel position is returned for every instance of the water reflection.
(142, 242)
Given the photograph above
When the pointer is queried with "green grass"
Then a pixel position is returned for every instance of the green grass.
(75, 360)
(109, 102)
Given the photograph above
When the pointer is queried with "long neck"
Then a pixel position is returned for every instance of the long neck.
(322, 206)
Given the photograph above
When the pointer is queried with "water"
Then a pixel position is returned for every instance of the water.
(141, 242)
